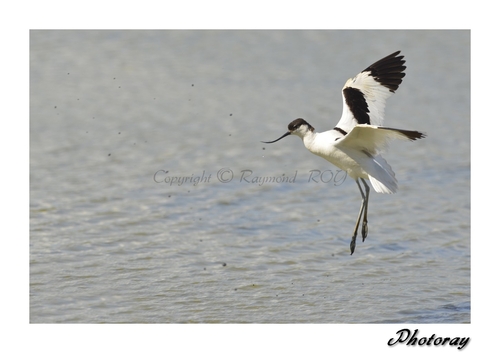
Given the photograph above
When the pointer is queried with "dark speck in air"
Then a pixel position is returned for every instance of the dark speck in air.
(109, 154)
(224, 264)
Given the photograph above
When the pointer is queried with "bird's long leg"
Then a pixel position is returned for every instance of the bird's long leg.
(364, 229)
(363, 205)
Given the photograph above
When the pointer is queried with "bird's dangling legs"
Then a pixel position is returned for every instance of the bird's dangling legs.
(364, 208)
(364, 229)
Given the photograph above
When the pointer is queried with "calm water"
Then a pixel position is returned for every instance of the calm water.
(152, 199)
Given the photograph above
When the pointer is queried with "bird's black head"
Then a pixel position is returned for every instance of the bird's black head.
(296, 127)
(297, 123)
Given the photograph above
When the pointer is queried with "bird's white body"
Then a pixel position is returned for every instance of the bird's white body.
(356, 143)
(323, 144)
(358, 153)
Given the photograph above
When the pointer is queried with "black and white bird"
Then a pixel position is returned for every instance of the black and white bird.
(355, 144)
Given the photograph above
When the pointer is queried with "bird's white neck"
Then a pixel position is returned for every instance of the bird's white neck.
(307, 135)
(309, 138)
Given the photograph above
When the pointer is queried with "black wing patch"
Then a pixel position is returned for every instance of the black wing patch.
(355, 99)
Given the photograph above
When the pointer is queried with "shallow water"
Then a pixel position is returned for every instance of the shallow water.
(145, 198)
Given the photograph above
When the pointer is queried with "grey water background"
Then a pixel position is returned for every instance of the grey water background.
(116, 116)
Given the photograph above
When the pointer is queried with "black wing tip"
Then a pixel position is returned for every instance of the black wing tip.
(414, 135)
(409, 134)
(388, 71)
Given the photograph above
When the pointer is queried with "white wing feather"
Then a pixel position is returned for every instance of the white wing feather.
(370, 139)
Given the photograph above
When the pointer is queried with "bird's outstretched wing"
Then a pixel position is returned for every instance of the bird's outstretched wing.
(365, 95)
(373, 139)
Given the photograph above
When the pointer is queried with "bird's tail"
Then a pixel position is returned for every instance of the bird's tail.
(382, 177)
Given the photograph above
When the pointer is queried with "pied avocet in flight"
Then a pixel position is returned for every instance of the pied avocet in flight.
(355, 144)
